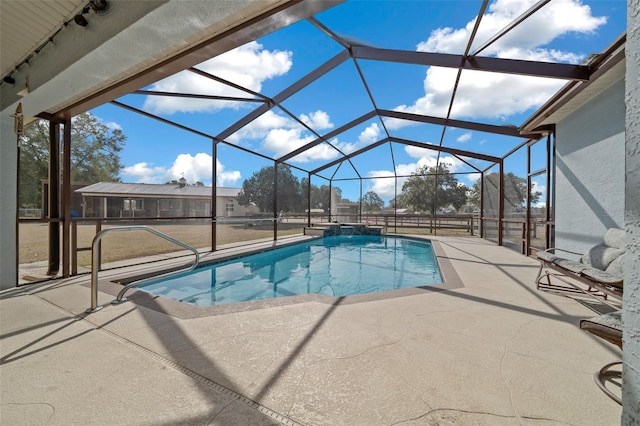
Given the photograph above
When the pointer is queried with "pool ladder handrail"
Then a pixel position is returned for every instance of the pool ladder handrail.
(95, 260)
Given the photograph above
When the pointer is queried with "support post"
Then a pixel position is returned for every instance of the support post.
(501, 203)
(548, 200)
(275, 200)
(481, 218)
(309, 199)
(214, 194)
(54, 202)
(527, 227)
(66, 196)
(360, 204)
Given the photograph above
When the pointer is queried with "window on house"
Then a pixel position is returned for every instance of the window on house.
(169, 204)
(132, 204)
(229, 207)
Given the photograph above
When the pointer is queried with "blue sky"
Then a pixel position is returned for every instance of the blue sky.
(563, 31)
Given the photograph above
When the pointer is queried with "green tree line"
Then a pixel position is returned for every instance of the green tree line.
(95, 156)
(428, 189)
(292, 192)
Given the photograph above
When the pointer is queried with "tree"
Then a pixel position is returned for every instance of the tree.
(398, 202)
(515, 192)
(95, 155)
(320, 195)
(371, 202)
(258, 189)
(419, 190)
(34, 163)
(95, 150)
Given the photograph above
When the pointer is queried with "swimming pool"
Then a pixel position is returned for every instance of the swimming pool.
(333, 266)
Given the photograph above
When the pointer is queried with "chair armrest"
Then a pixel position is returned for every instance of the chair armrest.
(606, 326)
(554, 249)
(549, 255)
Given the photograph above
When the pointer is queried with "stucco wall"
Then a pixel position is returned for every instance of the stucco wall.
(631, 312)
(590, 171)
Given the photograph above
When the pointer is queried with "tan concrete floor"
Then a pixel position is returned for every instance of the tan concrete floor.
(493, 352)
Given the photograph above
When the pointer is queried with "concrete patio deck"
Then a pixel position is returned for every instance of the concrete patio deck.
(493, 352)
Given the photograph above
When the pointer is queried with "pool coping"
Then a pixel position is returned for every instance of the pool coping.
(187, 311)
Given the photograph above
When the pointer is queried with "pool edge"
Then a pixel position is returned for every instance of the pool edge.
(186, 311)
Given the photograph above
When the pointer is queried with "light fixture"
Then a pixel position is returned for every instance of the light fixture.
(80, 20)
(9, 80)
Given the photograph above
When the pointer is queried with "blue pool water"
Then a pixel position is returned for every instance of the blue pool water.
(334, 266)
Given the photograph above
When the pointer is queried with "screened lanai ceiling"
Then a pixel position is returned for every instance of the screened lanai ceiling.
(375, 89)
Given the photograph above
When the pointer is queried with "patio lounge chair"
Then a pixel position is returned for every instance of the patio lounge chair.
(607, 327)
(600, 269)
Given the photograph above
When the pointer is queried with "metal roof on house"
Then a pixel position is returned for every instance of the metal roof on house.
(171, 190)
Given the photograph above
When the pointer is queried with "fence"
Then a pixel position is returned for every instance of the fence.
(29, 213)
(200, 232)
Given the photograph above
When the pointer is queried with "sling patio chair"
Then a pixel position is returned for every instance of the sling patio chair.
(597, 273)
(608, 327)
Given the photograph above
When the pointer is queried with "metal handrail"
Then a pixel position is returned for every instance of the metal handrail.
(95, 250)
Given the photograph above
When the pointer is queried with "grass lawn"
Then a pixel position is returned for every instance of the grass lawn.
(117, 246)
(34, 237)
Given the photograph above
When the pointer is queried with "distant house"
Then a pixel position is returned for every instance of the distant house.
(394, 211)
(176, 199)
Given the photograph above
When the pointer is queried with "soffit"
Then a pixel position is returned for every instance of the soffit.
(607, 69)
(577, 98)
(27, 25)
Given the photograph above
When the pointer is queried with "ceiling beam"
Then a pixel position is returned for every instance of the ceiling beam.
(312, 76)
(433, 147)
(253, 29)
(328, 136)
(195, 96)
(512, 131)
(351, 155)
(163, 120)
(453, 151)
(533, 9)
(475, 63)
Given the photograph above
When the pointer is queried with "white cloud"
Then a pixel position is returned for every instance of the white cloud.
(194, 169)
(464, 137)
(555, 19)
(368, 136)
(281, 141)
(428, 157)
(248, 66)
(538, 187)
(438, 84)
(145, 173)
(542, 189)
(319, 152)
(261, 126)
(473, 177)
(112, 125)
(385, 187)
(476, 96)
(318, 120)
(224, 177)
(279, 135)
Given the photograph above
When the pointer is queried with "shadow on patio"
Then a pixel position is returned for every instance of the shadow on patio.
(495, 351)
